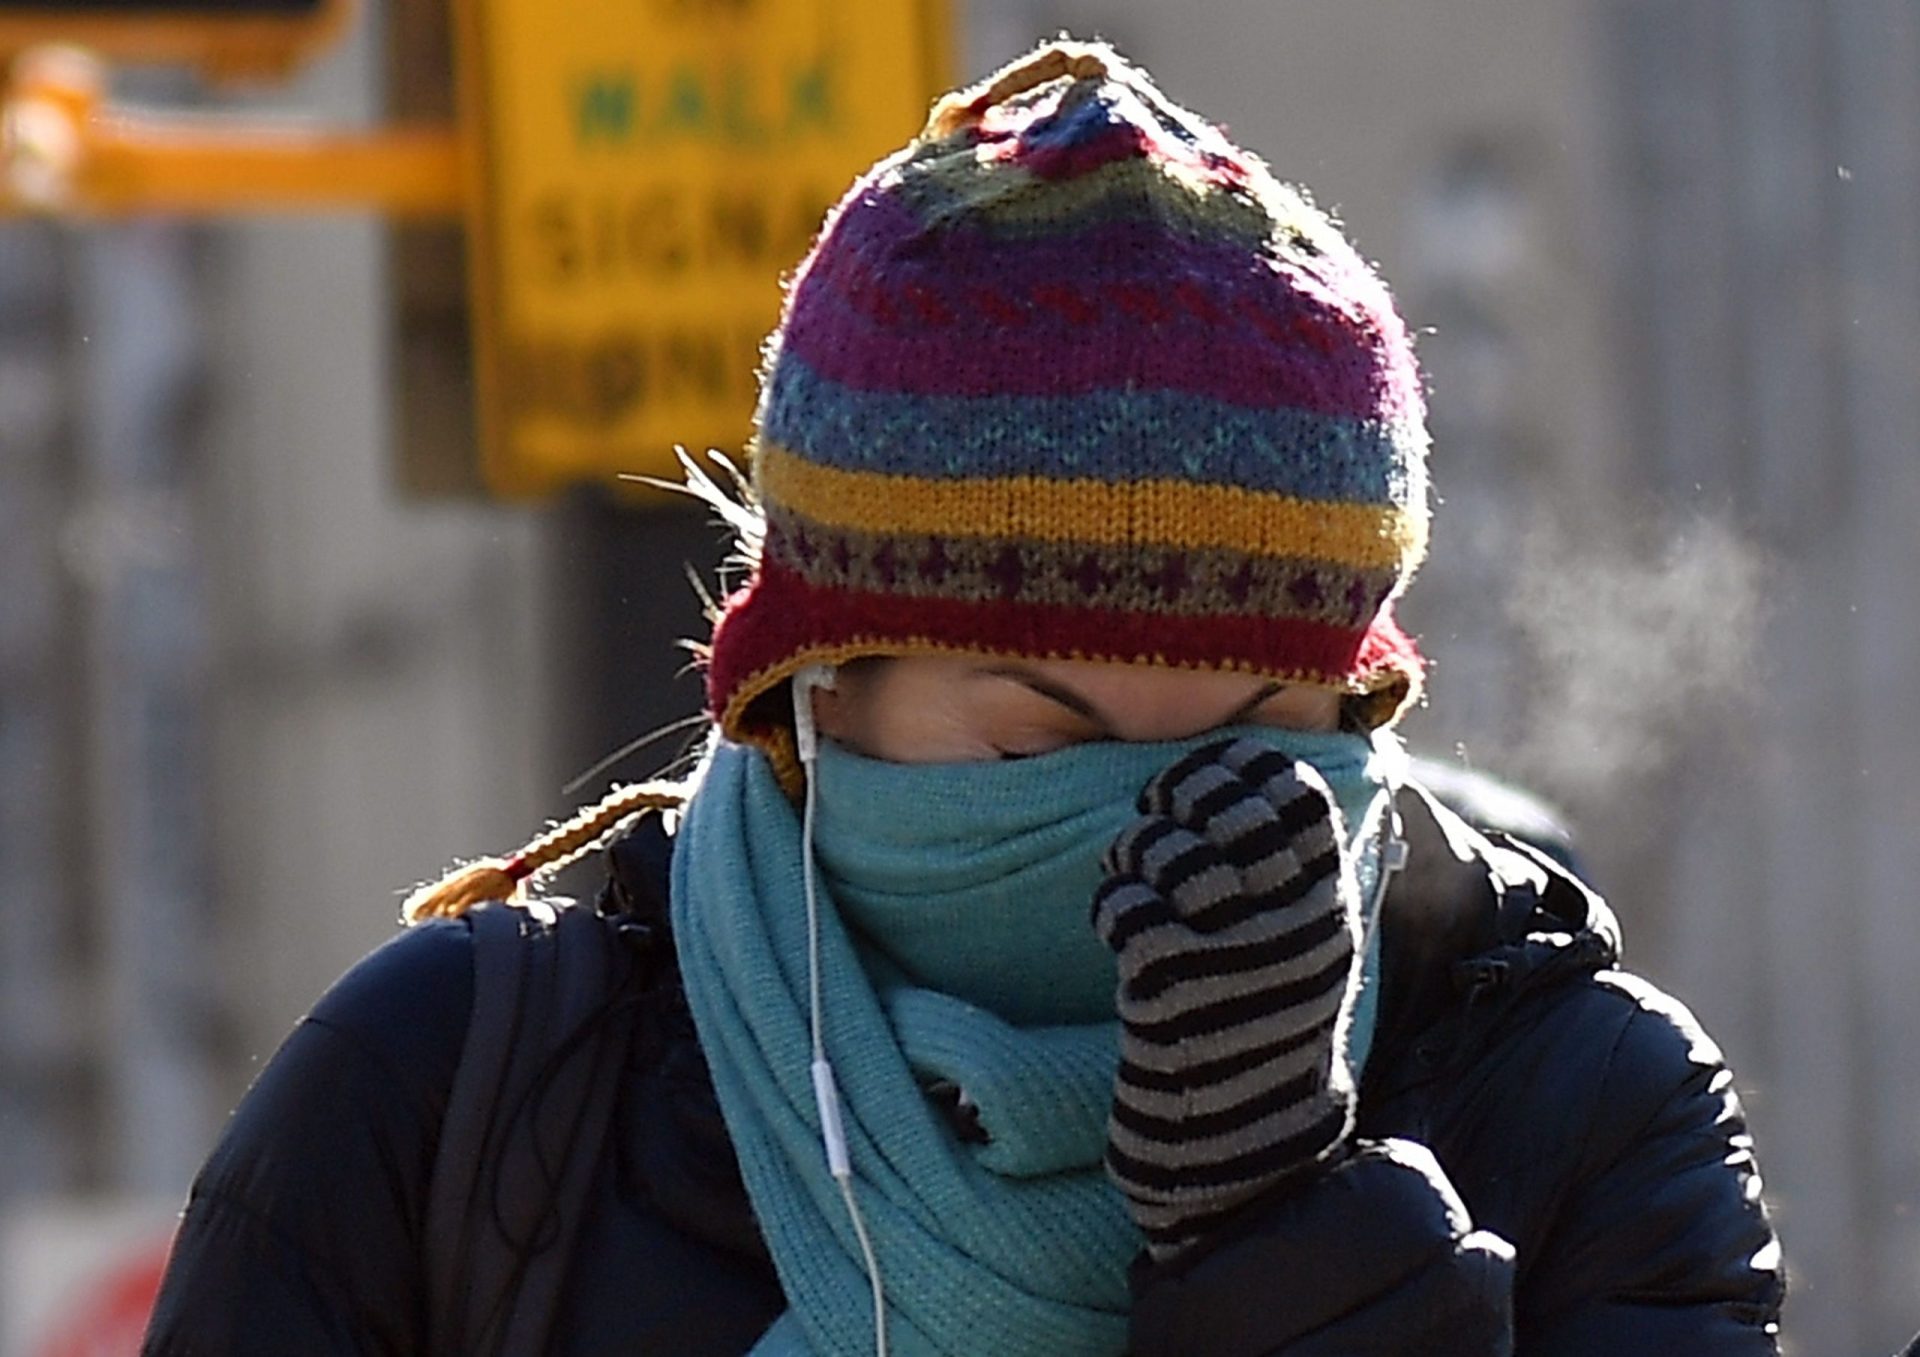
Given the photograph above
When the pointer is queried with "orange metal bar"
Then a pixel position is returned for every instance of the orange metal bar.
(135, 167)
(65, 151)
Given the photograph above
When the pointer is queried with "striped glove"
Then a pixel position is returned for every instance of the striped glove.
(1235, 928)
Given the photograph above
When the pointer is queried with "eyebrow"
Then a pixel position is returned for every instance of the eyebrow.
(1079, 705)
(1056, 692)
(1254, 703)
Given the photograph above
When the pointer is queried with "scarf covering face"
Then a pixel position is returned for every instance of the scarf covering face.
(954, 948)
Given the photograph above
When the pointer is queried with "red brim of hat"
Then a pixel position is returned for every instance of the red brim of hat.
(779, 622)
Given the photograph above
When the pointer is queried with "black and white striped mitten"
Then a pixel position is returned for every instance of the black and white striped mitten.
(1235, 927)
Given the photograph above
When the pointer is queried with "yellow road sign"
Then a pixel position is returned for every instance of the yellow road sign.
(645, 172)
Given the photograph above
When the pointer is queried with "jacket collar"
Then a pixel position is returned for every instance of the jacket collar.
(1475, 917)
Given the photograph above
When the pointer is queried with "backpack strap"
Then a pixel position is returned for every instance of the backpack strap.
(526, 1117)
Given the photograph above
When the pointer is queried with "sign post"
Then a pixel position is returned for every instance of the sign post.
(644, 173)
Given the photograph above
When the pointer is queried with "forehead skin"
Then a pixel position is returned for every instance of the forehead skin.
(942, 709)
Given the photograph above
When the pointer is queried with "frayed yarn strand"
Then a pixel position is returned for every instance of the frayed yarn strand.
(461, 889)
(1055, 61)
(505, 878)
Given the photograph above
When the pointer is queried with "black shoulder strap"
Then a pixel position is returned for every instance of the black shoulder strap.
(526, 1118)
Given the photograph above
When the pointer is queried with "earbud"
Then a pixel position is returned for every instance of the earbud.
(806, 734)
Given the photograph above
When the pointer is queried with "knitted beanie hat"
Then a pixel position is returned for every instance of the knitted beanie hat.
(1073, 376)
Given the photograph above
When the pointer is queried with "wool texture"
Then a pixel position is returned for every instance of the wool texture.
(955, 953)
(1016, 1247)
(974, 878)
(1072, 375)
(1237, 924)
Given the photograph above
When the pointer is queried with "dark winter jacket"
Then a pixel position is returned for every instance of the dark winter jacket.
(1550, 1160)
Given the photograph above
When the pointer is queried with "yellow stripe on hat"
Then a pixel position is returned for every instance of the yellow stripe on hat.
(1162, 513)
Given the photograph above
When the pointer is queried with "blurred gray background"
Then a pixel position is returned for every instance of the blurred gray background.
(1663, 256)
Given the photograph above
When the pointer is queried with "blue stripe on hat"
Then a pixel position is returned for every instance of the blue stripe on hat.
(1117, 435)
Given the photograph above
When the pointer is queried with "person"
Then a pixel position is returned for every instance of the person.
(1037, 962)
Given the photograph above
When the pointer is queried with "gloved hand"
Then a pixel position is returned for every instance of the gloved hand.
(1235, 925)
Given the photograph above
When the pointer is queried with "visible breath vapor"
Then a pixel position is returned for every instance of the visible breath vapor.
(1630, 648)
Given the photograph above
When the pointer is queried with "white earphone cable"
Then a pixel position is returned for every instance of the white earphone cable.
(826, 1092)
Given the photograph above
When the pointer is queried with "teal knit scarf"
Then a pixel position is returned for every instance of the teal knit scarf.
(954, 949)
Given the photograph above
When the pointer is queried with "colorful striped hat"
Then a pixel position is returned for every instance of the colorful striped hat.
(1073, 376)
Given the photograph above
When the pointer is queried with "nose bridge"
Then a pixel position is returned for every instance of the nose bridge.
(1169, 705)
